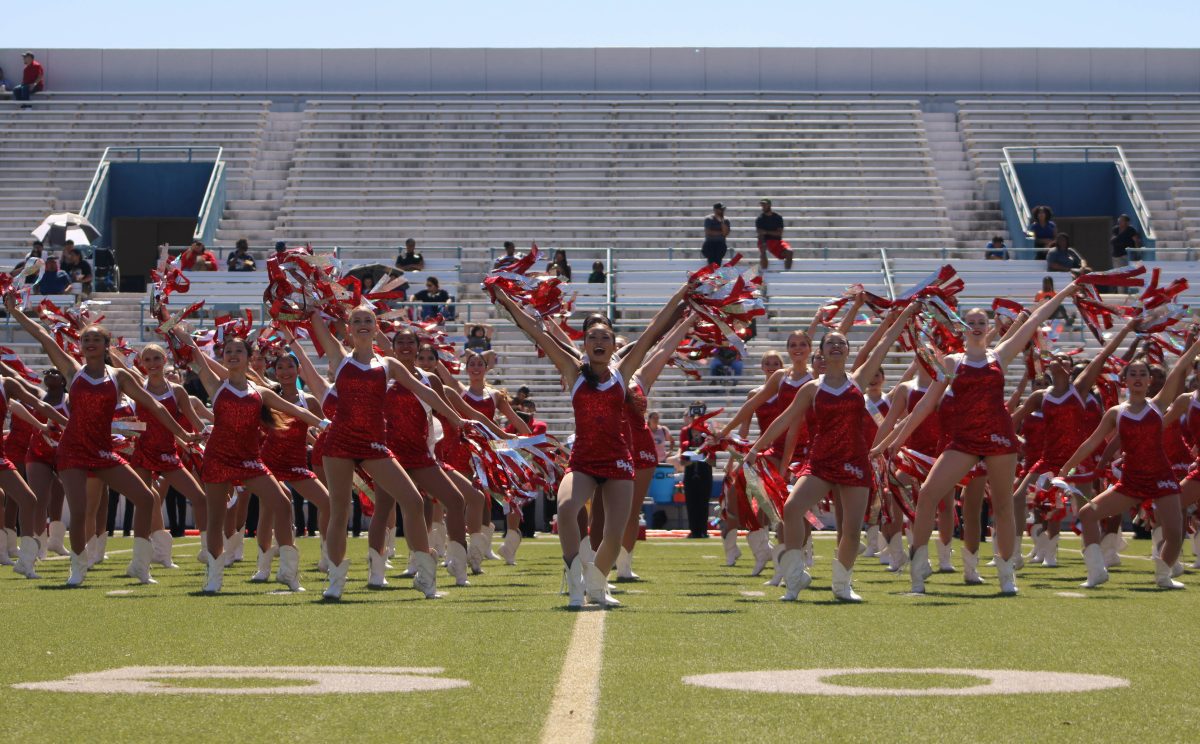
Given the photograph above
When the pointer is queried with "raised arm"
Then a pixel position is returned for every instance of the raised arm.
(1083, 383)
(1031, 404)
(653, 366)
(1177, 409)
(334, 351)
(505, 408)
(929, 401)
(1014, 400)
(862, 376)
(864, 351)
(400, 374)
(765, 393)
(567, 364)
(208, 377)
(59, 358)
(15, 392)
(897, 409)
(1013, 343)
(666, 317)
(271, 399)
(793, 413)
(1177, 375)
(848, 319)
(309, 374)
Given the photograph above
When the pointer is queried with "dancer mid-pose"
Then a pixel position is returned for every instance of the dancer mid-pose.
(86, 445)
(980, 430)
(1145, 470)
(837, 461)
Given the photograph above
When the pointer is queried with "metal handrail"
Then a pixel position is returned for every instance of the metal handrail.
(1123, 170)
(888, 279)
(94, 186)
(139, 149)
(215, 181)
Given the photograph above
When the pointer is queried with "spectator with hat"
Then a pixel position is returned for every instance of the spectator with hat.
(33, 79)
(716, 230)
(769, 226)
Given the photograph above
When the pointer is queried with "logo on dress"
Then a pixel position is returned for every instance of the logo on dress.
(379, 447)
(853, 470)
(648, 455)
(625, 465)
(1166, 485)
(253, 465)
(1002, 441)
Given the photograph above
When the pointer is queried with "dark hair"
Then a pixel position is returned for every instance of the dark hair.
(1063, 237)
(197, 243)
(585, 368)
(409, 242)
(242, 245)
(1123, 217)
(598, 266)
(402, 331)
(1047, 284)
(523, 389)
(1041, 208)
(997, 238)
(510, 244)
(433, 279)
(826, 335)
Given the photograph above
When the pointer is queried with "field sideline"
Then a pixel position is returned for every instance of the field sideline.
(508, 636)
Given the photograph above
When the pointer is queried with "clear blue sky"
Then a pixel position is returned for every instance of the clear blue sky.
(608, 23)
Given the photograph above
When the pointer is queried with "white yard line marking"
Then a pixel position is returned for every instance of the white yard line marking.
(573, 709)
(174, 547)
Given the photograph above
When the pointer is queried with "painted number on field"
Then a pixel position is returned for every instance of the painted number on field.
(299, 680)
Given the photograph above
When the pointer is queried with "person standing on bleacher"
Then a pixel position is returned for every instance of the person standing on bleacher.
(409, 259)
(769, 226)
(716, 230)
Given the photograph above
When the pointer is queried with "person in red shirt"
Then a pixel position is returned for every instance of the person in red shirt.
(197, 258)
(526, 413)
(33, 78)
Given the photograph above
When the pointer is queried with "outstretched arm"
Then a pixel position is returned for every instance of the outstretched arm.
(16, 392)
(648, 373)
(765, 393)
(663, 320)
(566, 363)
(793, 413)
(334, 350)
(315, 381)
(1013, 343)
(130, 386)
(506, 409)
(273, 400)
(1107, 425)
(59, 358)
(862, 375)
(1088, 377)
(400, 374)
(1178, 373)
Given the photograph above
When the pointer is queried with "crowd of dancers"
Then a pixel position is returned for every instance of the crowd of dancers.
(380, 414)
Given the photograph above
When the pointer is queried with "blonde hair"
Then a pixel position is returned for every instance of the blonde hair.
(152, 347)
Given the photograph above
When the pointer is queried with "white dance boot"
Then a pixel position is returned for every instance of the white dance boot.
(575, 588)
(1093, 558)
(872, 541)
(971, 568)
(793, 573)
(27, 555)
(625, 566)
(732, 551)
(944, 552)
(456, 563)
(79, 568)
(919, 570)
(508, 548)
(262, 571)
(1110, 547)
(426, 579)
(161, 542)
(214, 573)
(842, 583)
(1163, 575)
(289, 567)
(1035, 553)
(139, 567)
(389, 545)
(410, 567)
(595, 586)
(776, 558)
(760, 545)
(1050, 552)
(476, 552)
(489, 532)
(1006, 574)
(897, 555)
(337, 580)
(100, 548)
(235, 548)
(203, 556)
(376, 569)
(5, 560)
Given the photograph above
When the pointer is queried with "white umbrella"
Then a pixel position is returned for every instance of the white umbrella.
(58, 228)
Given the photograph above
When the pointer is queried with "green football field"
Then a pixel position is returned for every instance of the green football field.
(505, 661)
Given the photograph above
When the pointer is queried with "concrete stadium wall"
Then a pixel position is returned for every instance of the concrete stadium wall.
(610, 69)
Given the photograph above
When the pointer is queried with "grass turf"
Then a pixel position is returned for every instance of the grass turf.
(507, 635)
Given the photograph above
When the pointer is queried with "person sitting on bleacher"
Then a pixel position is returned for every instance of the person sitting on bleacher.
(558, 266)
(1043, 229)
(33, 79)
(240, 259)
(996, 250)
(479, 338)
(509, 258)
(598, 274)
(434, 299)
(197, 258)
(410, 260)
(35, 252)
(76, 267)
(54, 281)
(1064, 258)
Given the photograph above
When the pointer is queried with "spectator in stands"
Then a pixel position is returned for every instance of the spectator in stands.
(33, 79)
(769, 226)
(409, 259)
(996, 250)
(1126, 242)
(478, 339)
(433, 297)
(716, 230)
(528, 414)
(240, 259)
(521, 398)
(54, 281)
(598, 275)
(197, 258)
(697, 473)
(1064, 258)
(1043, 229)
(77, 267)
(664, 440)
(725, 363)
(559, 267)
(1047, 292)
(510, 256)
(280, 247)
(35, 252)
(3, 81)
